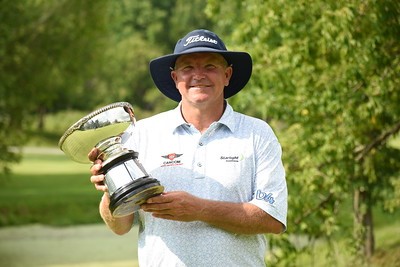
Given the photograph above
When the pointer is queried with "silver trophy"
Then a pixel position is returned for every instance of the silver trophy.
(128, 183)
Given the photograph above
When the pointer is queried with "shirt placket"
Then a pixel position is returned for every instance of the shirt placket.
(200, 159)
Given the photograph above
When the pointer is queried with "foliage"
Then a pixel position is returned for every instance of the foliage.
(327, 74)
(45, 55)
(162, 22)
(47, 50)
(63, 55)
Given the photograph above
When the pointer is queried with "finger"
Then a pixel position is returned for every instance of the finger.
(101, 187)
(93, 154)
(97, 179)
(162, 198)
(164, 216)
(157, 207)
(96, 167)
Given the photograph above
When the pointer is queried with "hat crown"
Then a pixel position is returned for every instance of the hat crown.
(199, 39)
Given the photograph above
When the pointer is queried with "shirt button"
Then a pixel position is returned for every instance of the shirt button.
(199, 164)
(200, 144)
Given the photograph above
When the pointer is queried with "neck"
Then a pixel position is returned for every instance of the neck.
(202, 117)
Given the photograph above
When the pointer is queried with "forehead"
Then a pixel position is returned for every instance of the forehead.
(201, 57)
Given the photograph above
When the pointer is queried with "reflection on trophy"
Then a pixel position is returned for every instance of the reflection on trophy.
(127, 181)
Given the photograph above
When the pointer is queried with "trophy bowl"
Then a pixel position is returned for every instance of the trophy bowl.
(128, 183)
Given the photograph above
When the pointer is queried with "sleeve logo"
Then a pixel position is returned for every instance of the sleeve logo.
(265, 196)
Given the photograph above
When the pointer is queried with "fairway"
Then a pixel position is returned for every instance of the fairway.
(48, 161)
(48, 188)
(49, 218)
(52, 200)
(83, 246)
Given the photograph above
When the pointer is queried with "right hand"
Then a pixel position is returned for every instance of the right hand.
(97, 178)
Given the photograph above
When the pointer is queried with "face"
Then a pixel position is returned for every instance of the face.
(201, 77)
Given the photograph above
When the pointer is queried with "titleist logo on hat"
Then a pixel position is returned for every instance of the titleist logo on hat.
(197, 38)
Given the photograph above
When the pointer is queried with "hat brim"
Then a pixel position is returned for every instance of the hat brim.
(242, 64)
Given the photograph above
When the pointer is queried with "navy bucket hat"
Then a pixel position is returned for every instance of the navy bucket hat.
(201, 41)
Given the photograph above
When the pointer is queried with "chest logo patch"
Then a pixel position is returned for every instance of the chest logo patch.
(171, 160)
(232, 158)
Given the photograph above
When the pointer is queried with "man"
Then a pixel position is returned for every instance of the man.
(222, 171)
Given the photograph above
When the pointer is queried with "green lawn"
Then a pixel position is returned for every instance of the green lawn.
(48, 189)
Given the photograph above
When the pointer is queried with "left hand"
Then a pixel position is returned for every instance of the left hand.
(175, 205)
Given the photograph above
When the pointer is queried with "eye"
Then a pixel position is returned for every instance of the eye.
(210, 67)
(185, 68)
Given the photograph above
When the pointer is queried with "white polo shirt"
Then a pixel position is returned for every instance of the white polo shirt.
(238, 159)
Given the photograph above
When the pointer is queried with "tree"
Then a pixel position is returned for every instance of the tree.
(60, 55)
(139, 32)
(326, 74)
(46, 50)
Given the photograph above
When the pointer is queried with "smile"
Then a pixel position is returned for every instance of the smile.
(199, 86)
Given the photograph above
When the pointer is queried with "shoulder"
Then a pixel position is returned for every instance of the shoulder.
(156, 120)
(145, 129)
(246, 123)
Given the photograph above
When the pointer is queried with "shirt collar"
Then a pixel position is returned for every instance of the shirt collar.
(176, 118)
(227, 119)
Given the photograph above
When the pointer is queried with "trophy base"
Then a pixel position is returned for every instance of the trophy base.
(127, 199)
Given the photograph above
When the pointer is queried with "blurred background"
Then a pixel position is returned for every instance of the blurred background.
(325, 76)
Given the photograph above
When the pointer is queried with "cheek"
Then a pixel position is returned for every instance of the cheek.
(181, 86)
(178, 79)
(224, 81)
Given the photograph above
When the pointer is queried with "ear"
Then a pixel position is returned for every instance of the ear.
(228, 74)
(174, 76)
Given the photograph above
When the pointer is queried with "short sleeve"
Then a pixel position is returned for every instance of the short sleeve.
(270, 192)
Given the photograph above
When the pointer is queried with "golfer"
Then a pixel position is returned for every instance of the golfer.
(224, 180)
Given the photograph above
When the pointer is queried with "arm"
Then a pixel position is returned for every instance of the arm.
(120, 225)
(239, 218)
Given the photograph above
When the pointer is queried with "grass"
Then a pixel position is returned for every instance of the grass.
(48, 189)
(387, 253)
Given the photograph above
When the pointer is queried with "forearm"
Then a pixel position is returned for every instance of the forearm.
(120, 225)
(240, 218)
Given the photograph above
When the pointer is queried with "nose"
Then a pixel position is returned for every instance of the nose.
(198, 74)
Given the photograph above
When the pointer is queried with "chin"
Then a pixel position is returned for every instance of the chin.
(199, 97)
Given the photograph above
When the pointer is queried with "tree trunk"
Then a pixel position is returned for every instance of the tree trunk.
(41, 116)
(363, 223)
